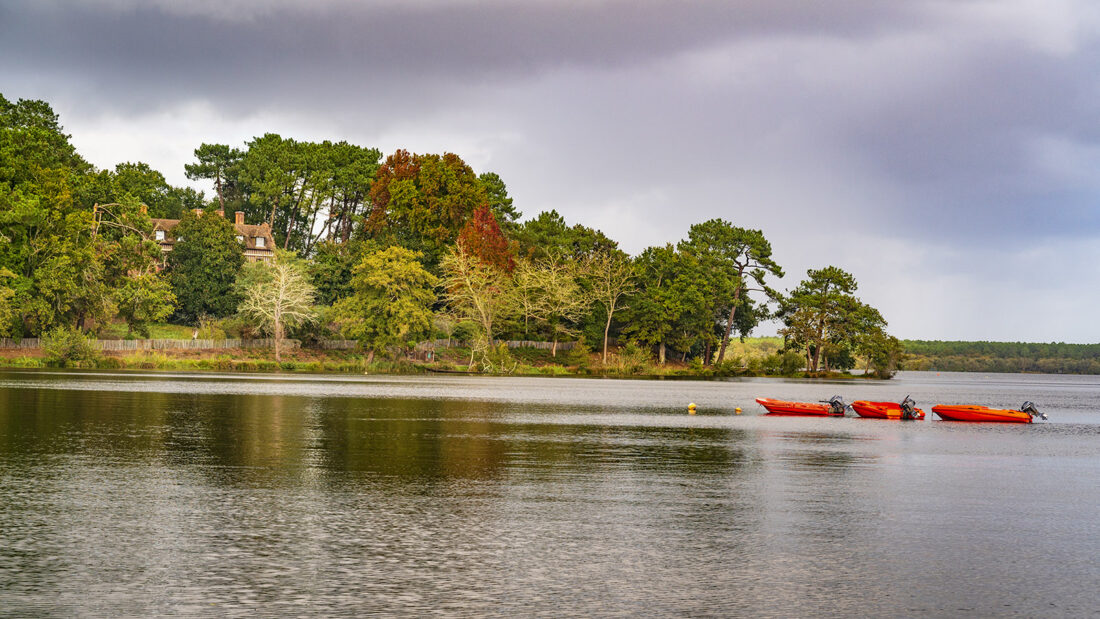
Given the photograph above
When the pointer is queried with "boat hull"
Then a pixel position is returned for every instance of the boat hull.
(801, 409)
(980, 414)
(881, 410)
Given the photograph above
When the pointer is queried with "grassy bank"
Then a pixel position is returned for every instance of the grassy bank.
(757, 357)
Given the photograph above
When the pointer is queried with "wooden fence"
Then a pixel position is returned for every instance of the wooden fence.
(29, 343)
(449, 343)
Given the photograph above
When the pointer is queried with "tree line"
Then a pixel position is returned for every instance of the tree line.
(388, 251)
(1047, 358)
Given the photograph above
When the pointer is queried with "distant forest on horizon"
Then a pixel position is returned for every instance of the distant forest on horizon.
(982, 356)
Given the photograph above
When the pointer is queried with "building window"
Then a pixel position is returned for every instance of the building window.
(240, 239)
(259, 241)
(160, 235)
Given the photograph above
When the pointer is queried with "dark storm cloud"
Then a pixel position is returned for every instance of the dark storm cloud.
(344, 51)
(955, 137)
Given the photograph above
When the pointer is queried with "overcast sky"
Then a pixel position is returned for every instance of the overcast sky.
(945, 152)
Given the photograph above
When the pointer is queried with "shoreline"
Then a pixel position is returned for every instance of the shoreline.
(311, 362)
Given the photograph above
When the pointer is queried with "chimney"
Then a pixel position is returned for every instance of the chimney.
(221, 213)
(239, 218)
(197, 212)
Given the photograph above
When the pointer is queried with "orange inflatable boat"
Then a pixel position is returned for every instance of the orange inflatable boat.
(970, 412)
(833, 407)
(907, 409)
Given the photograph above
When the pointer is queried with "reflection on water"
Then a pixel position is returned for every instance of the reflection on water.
(149, 494)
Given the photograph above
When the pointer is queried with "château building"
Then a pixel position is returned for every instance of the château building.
(259, 244)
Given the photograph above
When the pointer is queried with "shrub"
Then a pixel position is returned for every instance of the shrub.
(633, 359)
(465, 331)
(791, 363)
(580, 355)
(67, 346)
(498, 359)
(755, 364)
(209, 329)
(237, 328)
(552, 370)
(727, 367)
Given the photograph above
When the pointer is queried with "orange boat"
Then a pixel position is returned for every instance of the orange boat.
(971, 412)
(907, 409)
(833, 407)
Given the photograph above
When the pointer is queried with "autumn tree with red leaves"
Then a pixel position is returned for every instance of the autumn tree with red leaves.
(482, 237)
(421, 202)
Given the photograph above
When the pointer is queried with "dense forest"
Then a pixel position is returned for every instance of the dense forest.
(1053, 358)
(388, 251)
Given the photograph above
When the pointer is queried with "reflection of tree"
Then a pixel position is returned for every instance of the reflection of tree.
(456, 438)
(427, 439)
(264, 434)
(37, 421)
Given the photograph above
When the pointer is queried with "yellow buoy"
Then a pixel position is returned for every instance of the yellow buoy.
(737, 410)
(691, 408)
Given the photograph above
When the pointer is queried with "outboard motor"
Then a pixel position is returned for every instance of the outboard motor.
(909, 409)
(837, 405)
(1030, 409)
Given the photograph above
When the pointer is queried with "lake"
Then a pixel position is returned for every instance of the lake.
(219, 494)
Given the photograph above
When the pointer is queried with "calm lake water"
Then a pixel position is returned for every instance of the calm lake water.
(147, 493)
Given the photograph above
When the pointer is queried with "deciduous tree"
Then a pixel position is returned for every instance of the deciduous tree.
(391, 306)
(477, 291)
(279, 297)
(482, 237)
(611, 277)
(422, 201)
(203, 266)
(549, 292)
(142, 299)
(6, 294)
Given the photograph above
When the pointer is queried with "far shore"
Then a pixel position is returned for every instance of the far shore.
(524, 362)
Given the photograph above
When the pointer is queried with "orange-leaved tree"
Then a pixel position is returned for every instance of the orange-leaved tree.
(482, 237)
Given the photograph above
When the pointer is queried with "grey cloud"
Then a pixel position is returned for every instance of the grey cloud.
(342, 51)
(846, 122)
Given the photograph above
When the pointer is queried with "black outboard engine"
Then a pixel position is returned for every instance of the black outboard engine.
(909, 409)
(1030, 409)
(837, 405)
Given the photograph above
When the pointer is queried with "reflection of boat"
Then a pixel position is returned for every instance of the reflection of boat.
(834, 407)
(971, 412)
(907, 409)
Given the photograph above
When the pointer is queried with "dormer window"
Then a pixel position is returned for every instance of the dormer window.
(259, 241)
(160, 235)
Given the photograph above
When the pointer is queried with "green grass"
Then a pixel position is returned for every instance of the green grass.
(742, 359)
(225, 363)
(753, 348)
